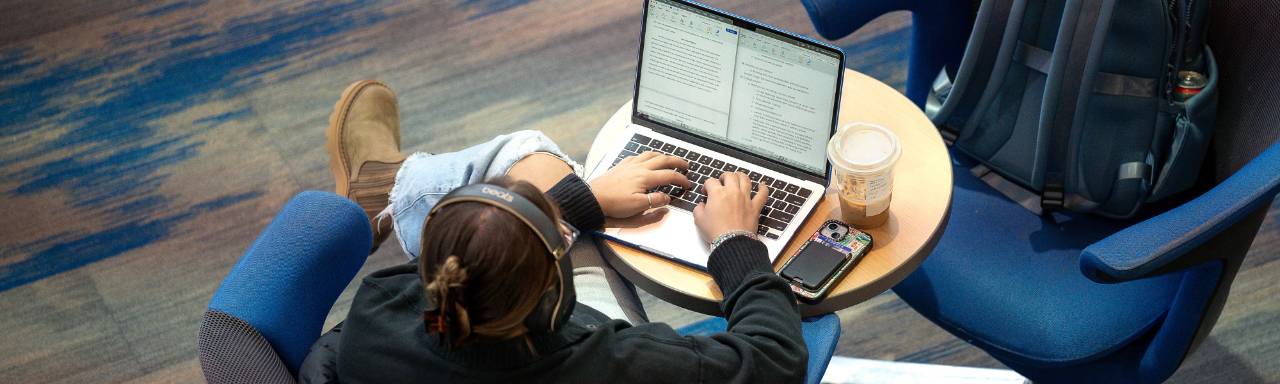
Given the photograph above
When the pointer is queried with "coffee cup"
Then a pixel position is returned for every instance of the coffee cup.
(862, 159)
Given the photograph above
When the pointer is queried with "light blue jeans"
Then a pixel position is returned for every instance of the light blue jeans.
(425, 178)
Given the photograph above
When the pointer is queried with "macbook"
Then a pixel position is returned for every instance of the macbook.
(728, 94)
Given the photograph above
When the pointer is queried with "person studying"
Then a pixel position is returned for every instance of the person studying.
(503, 286)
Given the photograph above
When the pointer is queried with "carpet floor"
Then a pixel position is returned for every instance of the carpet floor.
(143, 145)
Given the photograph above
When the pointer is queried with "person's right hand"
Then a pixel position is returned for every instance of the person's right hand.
(729, 206)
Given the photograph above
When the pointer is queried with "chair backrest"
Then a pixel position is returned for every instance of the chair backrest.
(1242, 35)
(1240, 32)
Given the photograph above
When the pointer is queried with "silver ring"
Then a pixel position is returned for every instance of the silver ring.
(649, 196)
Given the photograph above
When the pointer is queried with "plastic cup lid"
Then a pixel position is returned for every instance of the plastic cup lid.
(864, 147)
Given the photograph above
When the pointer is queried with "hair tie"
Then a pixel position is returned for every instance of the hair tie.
(447, 316)
(433, 321)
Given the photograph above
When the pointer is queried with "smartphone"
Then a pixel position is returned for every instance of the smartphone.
(824, 260)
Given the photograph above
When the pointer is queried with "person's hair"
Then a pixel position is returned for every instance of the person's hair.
(485, 269)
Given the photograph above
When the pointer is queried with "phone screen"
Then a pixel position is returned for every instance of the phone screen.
(813, 265)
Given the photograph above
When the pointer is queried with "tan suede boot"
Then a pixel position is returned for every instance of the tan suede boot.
(363, 141)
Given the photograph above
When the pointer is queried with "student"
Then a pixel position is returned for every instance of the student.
(460, 310)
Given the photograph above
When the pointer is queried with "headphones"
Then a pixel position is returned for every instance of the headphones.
(553, 310)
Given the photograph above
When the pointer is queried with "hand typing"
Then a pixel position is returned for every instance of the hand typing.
(729, 206)
(622, 191)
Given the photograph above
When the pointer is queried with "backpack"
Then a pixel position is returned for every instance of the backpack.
(1074, 104)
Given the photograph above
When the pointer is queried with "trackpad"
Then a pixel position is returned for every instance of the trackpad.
(673, 236)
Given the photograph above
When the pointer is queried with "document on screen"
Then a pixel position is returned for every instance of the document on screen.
(782, 99)
(745, 87)
(687, 70)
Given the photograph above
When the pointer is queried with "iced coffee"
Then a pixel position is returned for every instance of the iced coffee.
(862, 157)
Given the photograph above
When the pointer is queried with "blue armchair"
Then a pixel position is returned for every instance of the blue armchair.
(1076, 298)
(268, 311)
(939, 30)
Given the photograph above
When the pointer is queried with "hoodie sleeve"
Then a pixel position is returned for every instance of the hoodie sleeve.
(577, 203)
(763, 342)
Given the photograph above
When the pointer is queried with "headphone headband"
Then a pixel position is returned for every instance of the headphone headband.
(556, 306)
(518, 206)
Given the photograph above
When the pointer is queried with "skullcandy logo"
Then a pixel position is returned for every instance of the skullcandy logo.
(496, 193)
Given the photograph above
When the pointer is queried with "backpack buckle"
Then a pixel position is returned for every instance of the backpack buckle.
(1052, 197)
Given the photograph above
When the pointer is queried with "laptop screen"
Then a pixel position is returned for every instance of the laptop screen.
(765, 93)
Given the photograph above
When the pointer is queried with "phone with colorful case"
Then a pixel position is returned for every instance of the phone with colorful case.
(824, 260)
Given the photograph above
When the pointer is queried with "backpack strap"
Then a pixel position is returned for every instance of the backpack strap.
(1024, 197)
(1003, 56)
(1077, 51)
(1032, 57)
(1124, 85)
(997, 30)
(990, 27)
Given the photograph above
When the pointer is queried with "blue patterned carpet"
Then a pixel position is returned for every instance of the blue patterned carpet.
(100, 124)
(143, 146)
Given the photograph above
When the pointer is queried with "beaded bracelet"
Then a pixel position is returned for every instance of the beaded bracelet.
(732, 234)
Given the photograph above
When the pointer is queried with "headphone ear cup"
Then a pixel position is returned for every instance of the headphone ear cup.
(568, 299)
(539, 321)
(554, 309)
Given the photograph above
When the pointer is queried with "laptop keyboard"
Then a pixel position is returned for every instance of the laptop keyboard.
(784, 200)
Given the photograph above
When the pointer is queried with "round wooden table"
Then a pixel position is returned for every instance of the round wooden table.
(917, 215)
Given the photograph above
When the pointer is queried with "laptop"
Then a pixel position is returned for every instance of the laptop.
(728, 94)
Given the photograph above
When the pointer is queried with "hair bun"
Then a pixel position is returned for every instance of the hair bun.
(445, 289)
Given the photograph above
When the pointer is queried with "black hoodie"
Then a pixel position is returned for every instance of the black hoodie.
(383, 340)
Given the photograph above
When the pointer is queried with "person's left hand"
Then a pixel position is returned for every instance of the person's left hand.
(622, 191)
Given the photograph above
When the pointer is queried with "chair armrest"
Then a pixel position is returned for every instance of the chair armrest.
(1145, 248)
(231, 351)
(821, 333)
(287, 281)
(834, 19)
